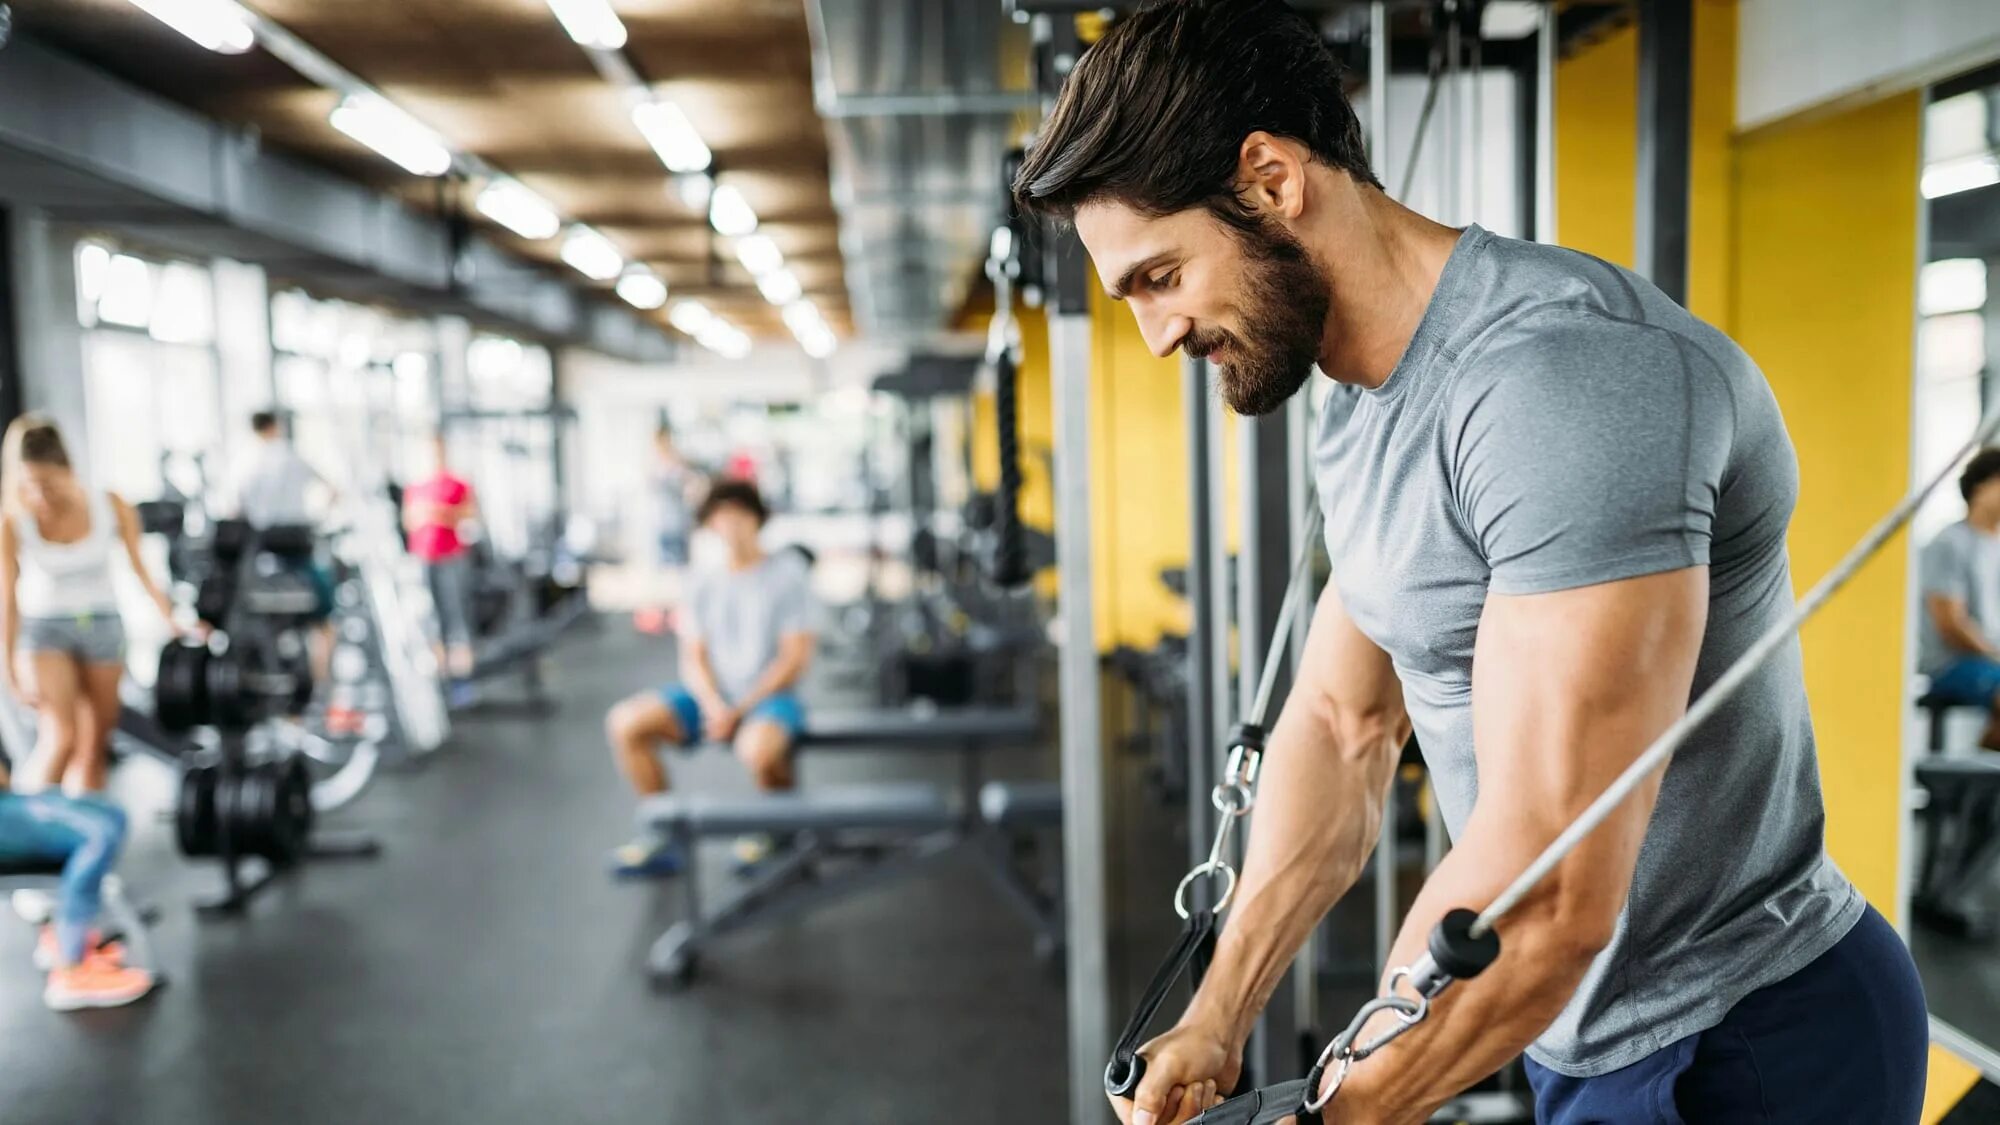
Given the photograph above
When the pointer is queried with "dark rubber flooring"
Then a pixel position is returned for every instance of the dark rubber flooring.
(485, 970)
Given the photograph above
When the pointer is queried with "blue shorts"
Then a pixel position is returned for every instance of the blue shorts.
(1973, 681)
(783, 709)
(1844, 1039)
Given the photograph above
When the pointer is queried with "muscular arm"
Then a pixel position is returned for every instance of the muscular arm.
(1955, 624)
(794, 654)
(1568, 689)
(1326, 771)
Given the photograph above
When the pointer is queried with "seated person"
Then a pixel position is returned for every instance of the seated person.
(746, 637)
(273, 489)
(86, 833)
(1959, 639)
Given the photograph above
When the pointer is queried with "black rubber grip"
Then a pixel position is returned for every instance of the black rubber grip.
(1457, 952)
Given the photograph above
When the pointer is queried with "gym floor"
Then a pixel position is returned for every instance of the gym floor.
(484, 969)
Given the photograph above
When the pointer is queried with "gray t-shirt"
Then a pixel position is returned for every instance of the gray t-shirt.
(741, 615)
(1964, 565)
(1558, 422)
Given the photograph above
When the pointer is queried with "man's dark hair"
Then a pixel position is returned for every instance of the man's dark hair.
(264, 421)
(1984, 466)
(1155, 113)
(733, 494)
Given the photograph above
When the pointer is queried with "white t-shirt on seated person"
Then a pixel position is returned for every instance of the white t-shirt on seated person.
(272, 490)
(740, 616)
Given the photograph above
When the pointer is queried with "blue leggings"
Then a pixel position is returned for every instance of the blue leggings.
(1844, 1039)
(86, 833)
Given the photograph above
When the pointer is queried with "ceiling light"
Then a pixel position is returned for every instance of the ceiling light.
(666, 128)
(220, 25)
(729, 213)
(591, 254)
(1953, 176)
(506, 202)
(694, 189)
(393, 133)
(690, 317)
(591, 23)
(642, 288)
(820, 345)
(759, 255)
(802, 317)
(780, 287)
(725, 339)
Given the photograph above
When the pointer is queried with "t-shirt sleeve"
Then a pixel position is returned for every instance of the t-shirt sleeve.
(1945, 570)
(695, 598)
(796, 610)
(1586, 452)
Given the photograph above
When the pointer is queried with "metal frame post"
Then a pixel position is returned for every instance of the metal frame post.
(1666, 86)
(1205, 637)
(1268, 509)
(1378, 87)
(1546, 41)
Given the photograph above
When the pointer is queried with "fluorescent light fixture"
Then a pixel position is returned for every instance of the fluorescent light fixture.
(1510, 19)
(506, 202)
(1953, 176)
(819, 346)
(729, 213)
(694, 189)
(392, 133)
(759, 255)
(666, 128)
(780, 287)
(690, 317)
(220, 25)
(1001, 247)
(591, 23)
(1951, 285)
(128, 292)
(725, 339)
(591, 254)
(803, 317)
(642, 288)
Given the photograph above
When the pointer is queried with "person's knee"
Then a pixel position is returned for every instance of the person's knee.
(765, 748)
(114, 825)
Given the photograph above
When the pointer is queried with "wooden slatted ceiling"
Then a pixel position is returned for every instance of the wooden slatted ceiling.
(498, 78)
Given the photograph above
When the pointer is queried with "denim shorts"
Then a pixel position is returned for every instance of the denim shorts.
(92, 638)
(783, 709)
(1973, 681)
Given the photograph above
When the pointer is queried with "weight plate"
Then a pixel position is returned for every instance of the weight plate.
(232, 538)
(292, 822)
(194, 812)
(180, 690)
(229, 704)
(214, 596)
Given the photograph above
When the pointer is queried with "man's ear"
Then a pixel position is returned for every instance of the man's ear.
(1271, 175)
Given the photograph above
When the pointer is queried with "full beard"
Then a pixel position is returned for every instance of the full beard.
(1284, 305)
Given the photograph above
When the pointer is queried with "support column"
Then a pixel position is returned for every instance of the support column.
(49, 339)
(1261, 575)
(1666, 91)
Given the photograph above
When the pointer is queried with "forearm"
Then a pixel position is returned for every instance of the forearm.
(1475, 1026)
(1964, 634)
(779, 676)
(700, 678)
(1319, 811)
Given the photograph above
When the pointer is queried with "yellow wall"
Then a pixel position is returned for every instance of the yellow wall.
(1139, 479)
(1825, 283)
(1597, 153)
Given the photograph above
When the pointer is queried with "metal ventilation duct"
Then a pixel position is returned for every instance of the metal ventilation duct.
(921, 99)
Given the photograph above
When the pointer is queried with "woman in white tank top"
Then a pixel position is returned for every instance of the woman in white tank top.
(61, 620)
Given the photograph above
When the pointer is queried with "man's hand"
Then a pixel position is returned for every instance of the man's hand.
(1186, 1071)
(722, 722)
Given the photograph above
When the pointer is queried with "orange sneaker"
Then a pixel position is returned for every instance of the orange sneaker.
(99, 982)
(94, 946)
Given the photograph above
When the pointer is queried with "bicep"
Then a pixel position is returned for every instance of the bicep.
(1569, 688)
(1946, 611)
(1351, 680)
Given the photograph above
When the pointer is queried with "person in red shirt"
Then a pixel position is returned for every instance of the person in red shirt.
(433, 510)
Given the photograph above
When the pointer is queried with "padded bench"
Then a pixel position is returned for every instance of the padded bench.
(1939, 715)
(847, 838)
(1961, 841)
(920, 726)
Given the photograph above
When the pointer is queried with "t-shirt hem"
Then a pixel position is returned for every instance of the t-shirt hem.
(1654, 1039)
(1653, 560)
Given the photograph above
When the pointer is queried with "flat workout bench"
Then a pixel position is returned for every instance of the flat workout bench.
(848, 838)
(1961, 841)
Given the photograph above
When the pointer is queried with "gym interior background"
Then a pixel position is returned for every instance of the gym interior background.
(547, 228)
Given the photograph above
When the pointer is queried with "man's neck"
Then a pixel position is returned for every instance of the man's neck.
(1985, 523)
(1385, 261)
(747, 559)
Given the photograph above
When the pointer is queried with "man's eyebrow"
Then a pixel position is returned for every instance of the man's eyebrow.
(1123, 285)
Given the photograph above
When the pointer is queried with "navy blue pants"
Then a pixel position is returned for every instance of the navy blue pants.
(1843, 1039)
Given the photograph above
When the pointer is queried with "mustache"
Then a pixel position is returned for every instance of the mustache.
(1198, 344)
